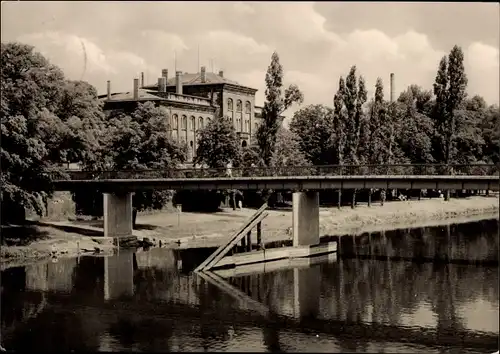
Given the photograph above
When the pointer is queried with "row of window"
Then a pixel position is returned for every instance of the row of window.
(184, 122)
(192, 123)
(248, 106)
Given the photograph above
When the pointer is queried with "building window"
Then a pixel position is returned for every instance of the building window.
(239, 118)
(200, 123)
(192, 123)
(244, 144)
(248, 115)
(175, 121)
(229, 104)
(208, 120)
(184, 122)
(256, 127)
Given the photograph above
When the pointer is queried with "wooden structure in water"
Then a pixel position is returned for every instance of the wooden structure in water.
(228, 255)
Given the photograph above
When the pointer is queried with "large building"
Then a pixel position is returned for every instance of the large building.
(192, 100)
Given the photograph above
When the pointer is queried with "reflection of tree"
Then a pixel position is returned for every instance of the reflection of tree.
(143, 335)
(381, 291)
(57, 331)
(458, 242)
(88, 280)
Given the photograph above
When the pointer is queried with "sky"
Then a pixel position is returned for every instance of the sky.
(317, 42)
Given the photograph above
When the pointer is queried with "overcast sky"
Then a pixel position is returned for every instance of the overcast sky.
(317, 42)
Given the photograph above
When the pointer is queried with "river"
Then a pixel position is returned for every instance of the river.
(432, 290)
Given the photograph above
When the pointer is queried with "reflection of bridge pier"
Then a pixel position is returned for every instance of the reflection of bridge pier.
(64, 276)
(307, 288)
(119, 275)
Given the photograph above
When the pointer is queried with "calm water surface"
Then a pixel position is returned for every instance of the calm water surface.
(408, 291)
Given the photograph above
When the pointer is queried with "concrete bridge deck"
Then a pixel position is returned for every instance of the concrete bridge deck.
(286, 183)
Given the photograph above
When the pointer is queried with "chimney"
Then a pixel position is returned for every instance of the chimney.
(164, 73)
(109, 90)
(163, 84)
(160, 84)
(221, 73)
(203, 75)
(136, 89)
(393, 89)
(142, 79)
(178, 82)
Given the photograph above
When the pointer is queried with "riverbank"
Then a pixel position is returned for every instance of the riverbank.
(33, 242)
(205, 230)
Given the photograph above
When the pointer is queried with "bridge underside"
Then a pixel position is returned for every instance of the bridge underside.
(305, 220)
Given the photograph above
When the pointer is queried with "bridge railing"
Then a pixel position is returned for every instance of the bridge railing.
(282, 171)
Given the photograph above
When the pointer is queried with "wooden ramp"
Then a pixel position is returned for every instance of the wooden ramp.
(234, 292)
(247, 227)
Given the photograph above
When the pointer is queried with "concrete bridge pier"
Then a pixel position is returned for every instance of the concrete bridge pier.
(305, 218)
(118, 214)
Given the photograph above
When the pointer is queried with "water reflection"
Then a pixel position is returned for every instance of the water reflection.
(457, 243)
(146, 301)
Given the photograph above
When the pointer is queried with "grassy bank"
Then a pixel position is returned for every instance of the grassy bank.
(30, 243)
(200, 229)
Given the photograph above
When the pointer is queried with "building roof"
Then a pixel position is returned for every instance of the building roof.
(195, 79)
(144, 95)
(210, 78)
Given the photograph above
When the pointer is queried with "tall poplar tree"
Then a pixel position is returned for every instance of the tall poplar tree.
(449, 89)
(339, 127)
(276, 103)
(375, 119)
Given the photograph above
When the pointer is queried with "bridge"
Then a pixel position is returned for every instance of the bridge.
(118, 186)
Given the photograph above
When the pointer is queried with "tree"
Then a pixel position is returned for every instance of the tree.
(218, 144)
(313, 126)
(351, 120)
(490, 129)
(275, 105)
(82, 111)
(141, 141)
(339, 122)
(36, 137)
(439, 111)
(415, 139)
(449, 88)
(288, 152)
(373, 132)
(456, 95)
(354, 99)
(249, 156)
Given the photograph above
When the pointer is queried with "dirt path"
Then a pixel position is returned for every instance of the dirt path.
(201, 229)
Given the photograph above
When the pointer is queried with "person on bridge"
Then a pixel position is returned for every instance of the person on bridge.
(229, 169)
